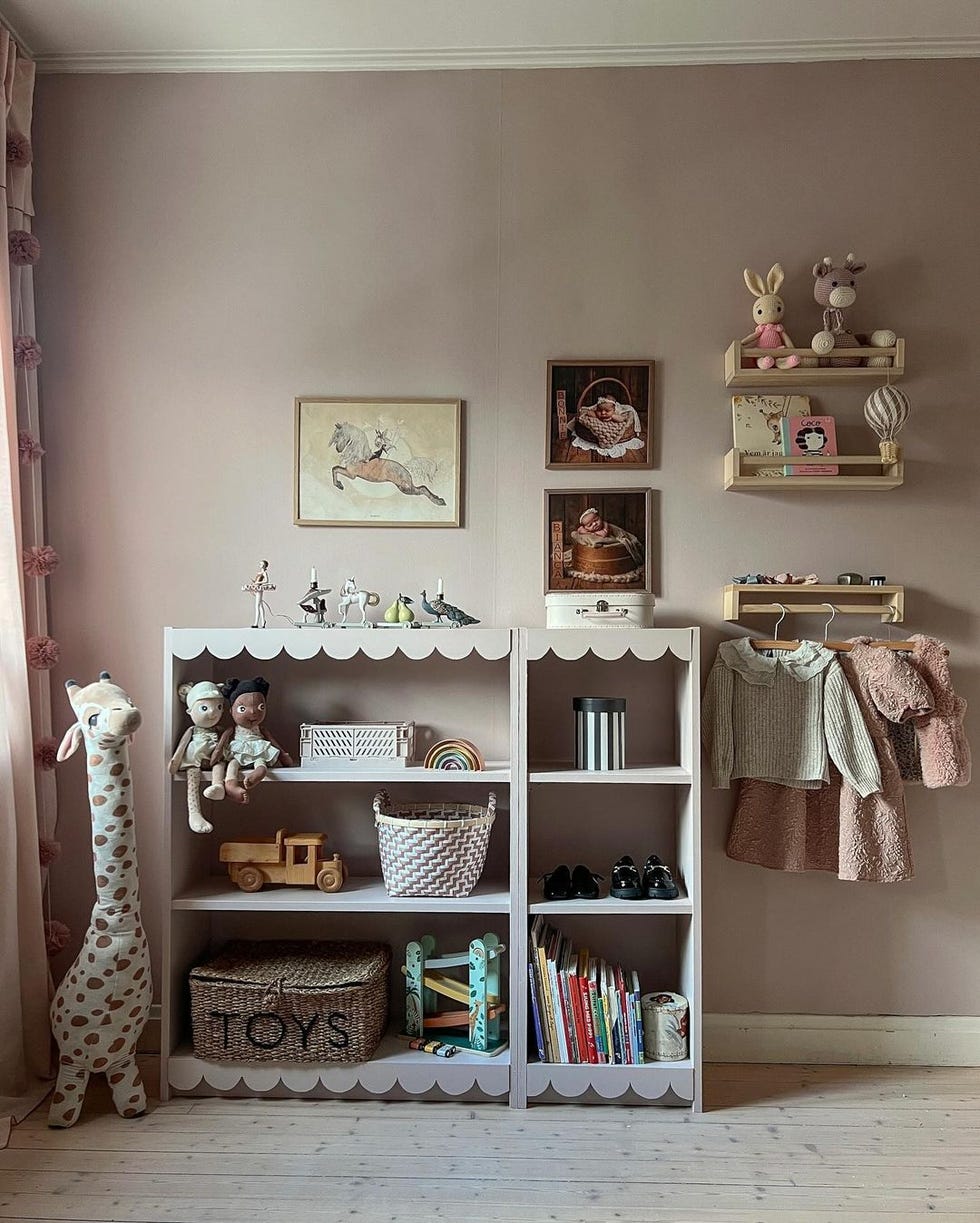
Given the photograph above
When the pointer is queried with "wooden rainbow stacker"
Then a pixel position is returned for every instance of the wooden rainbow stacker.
(426, 983)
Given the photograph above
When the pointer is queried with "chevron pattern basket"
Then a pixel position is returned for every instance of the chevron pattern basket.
(433, 849)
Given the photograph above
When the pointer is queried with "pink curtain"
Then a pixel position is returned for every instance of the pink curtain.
(25, 1040)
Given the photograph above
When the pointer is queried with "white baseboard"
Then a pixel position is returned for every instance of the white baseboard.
(851, 1040)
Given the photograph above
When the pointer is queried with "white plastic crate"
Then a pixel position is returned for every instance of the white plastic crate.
(348, 744)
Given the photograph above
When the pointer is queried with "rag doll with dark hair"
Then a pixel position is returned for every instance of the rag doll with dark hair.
(249, 750)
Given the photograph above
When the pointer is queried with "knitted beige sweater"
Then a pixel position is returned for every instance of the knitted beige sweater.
(778, 718)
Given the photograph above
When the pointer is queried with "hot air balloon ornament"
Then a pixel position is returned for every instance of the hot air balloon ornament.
(886, 410)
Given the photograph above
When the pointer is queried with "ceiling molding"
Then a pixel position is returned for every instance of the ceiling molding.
(601, 56)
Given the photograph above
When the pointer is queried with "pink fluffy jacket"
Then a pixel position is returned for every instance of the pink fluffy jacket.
(943, 746)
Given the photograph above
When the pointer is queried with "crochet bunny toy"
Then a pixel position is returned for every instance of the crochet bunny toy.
(834, 289)
(248, 748)
(205, 707)
(768, 313)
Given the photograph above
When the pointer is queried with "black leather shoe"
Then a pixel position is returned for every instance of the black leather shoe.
(558, 884)
(625, 880)
(585, 885)
(658, 882)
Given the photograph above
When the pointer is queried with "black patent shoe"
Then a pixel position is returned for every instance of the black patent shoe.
(585, 885)
(558, 884)
(626, 883)
(658, 882)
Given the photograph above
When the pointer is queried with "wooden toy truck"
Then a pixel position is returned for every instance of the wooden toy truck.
(295, 859)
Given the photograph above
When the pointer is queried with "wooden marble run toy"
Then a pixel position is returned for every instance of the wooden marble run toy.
(426, 983)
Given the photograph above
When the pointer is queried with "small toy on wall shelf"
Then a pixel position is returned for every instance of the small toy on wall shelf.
(886, 410)
(259, 586)
(351, 595)
(438, 607)
(835, 288)
(244, 746)
(205, 707)
(776, 579)
(767, 313)
(295, 858)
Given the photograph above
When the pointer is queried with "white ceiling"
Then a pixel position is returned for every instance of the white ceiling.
(287, 35)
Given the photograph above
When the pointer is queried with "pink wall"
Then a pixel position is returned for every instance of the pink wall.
(215, 245)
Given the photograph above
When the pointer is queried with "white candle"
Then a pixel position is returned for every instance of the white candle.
(439, 588)
(313, 576)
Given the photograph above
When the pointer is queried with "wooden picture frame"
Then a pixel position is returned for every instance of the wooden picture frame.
(624, 527)
(377, 462)
(600, 414)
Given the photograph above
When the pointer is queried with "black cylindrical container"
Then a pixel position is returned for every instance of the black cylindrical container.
(600, 732)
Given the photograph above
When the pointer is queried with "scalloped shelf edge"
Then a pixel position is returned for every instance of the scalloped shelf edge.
(342, 644)
(609, 644)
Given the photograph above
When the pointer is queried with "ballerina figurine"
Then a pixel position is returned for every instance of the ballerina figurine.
(259, 586)
(246, 746)
(205, 707)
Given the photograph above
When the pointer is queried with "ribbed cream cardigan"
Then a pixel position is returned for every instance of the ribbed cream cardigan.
(778, 718)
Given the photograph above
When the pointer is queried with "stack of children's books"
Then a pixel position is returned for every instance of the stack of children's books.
(584, 1008)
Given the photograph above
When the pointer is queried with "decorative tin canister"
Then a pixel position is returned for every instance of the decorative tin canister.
(664, 1027)
(600, 732)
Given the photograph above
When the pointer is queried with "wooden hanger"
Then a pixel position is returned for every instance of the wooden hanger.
(840, 647)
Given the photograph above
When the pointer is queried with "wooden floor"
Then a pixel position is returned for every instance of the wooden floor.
(793, 1143)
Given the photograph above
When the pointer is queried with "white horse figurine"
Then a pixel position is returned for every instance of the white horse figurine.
(351, 595)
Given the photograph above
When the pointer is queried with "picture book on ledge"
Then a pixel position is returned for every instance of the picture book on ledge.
(757, 422)
(806, 435)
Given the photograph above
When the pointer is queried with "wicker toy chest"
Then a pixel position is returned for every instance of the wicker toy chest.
(291, 1002)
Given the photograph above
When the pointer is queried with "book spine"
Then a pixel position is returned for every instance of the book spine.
(575, 993)
(551, 1035)
(638, 1019)
(538, 1033)
(566, 1002)
(586, 1004)
(600, 1027)
(558, 1010)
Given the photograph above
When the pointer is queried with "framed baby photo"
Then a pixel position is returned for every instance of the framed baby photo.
(598, 540)
(378, 462)
(600, 413)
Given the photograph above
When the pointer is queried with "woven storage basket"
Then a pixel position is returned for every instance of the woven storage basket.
(433, 849)
(291, 1002)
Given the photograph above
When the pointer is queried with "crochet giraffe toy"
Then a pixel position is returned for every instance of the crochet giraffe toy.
(102, 1004)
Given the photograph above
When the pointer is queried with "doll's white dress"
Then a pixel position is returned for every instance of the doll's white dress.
(249, 748)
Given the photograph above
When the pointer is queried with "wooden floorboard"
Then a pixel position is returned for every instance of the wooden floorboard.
(796, 1144)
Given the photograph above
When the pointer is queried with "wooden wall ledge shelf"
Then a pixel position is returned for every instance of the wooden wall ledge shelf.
(741, 469)
(751, 599)
(811, 375)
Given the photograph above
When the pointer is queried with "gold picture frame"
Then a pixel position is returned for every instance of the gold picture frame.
(361, 462)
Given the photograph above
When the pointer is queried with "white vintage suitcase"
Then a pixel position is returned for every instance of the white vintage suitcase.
(616, 609)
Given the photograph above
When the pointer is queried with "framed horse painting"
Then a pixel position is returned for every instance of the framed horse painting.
(378, 462)
(600, 414)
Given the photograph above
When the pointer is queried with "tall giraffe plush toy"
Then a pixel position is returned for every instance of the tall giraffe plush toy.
(102, 1004)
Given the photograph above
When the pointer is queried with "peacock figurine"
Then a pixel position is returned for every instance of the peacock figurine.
(438, 607)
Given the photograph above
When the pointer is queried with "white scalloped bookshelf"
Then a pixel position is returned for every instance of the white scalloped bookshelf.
(486, 684)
